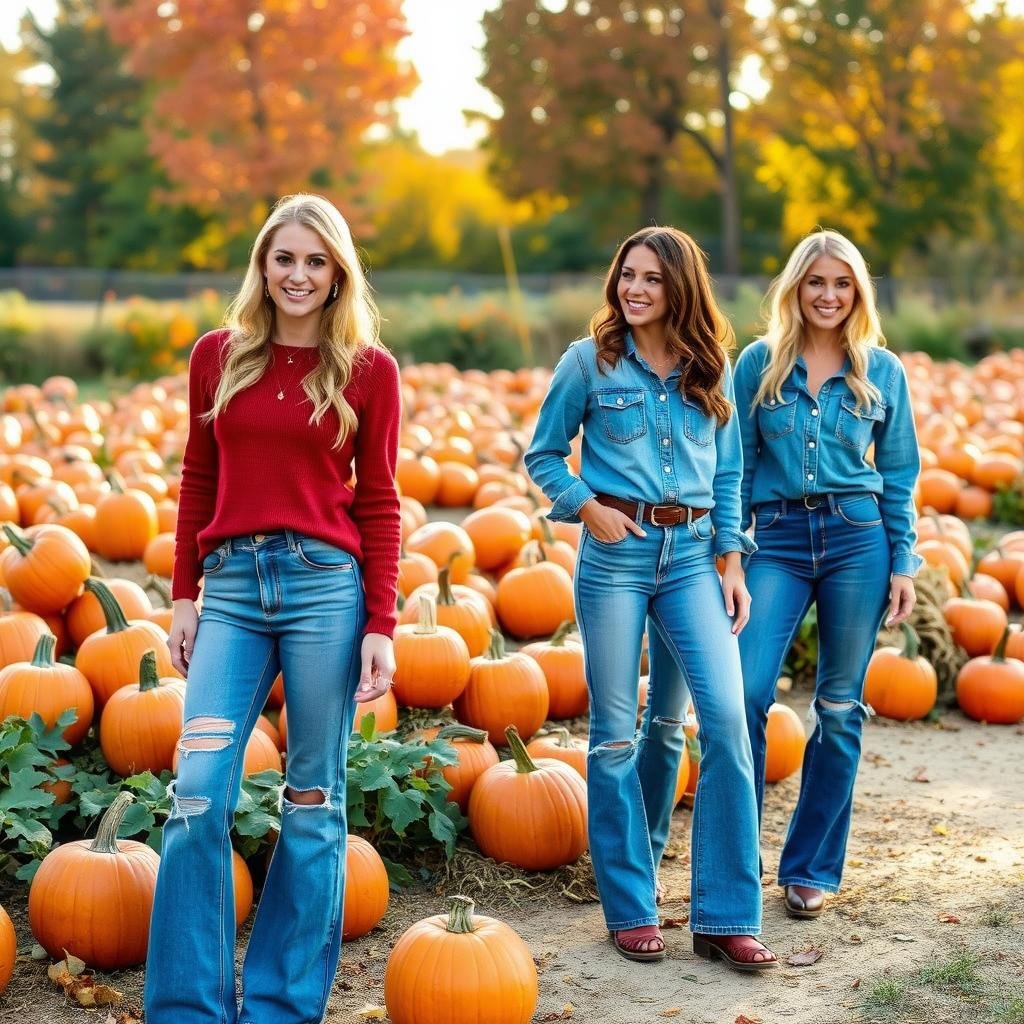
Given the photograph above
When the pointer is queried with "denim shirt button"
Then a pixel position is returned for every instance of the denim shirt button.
(810, 476)
(618, 401)
(666, 441)
(668, 469)
(771, 402)
(810, 444)
(662, 398)
(814, 412)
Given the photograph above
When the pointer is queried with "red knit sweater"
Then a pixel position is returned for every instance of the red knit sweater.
(260, 466)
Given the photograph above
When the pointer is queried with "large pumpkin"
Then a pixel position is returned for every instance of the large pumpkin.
(445, 544)
(109, 658)
(431, 662)
(8, 949)
(497, 534)
(85, 614)
(44, 567)
(991, 688)
(530, 814)
(900, 684)
(47, 688)
(458, 606)
(475, 752)
(785, 742)
(94, 898)
(140, 726)
(126, 521)
(19, 634)
(460, 969)
(976, 624)
(563, 666)
(366, 889)
(534, 600)
(503, 689)
(561, 746)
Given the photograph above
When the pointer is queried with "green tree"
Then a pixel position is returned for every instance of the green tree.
(634, 97)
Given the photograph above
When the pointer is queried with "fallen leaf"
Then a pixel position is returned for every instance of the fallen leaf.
(900, 937)
(941, 830)
(744, 1019)
(371, 1012)
(855, 863)
(949, 919)
(921, 775)
(672, 1011)
(804, 958)
(58, 973)
(566, 1013)
(75, 966)
(856, 984)
(980, 857)
(674, 922)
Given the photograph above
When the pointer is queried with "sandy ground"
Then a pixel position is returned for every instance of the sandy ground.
(935, 879)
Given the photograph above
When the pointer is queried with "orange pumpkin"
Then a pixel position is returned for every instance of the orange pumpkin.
(104, 880)
(475, 753)
(991, 688)
(497, 535)
(242, 878)
(383, 708)
(785, 742)
(901, 684)
(534, 600)
(159, 555)
(475, 969)
(431, 661)
(560, 745)
(414, 569)
(547, 794)
(44, 567)
(563, 667)
(8, 949)
(1003, 565)
(366, 889)
(503, 689)
(85, 614)
(458, 607)
(445, 544)
(48, 689)
(976, 624)
(139, 727)
(126, 521)
(19, 634)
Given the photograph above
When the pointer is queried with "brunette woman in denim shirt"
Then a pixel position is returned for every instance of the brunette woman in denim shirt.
(834, 524)
(659, 497)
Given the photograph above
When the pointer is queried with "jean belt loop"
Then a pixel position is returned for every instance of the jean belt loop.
(641, 507)
(289, 536)
(689, 515)
(228, 546)
(831, 503)
(782, 507)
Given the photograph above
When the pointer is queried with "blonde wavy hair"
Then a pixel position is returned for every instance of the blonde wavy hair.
(784, 330)
(348, 323)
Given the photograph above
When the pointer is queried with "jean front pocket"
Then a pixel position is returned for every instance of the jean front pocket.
(775, 417)
(318, 554)
(214, 561)
(623, 415)
(855, 429)
(703, 528)
(698, 426)
(859, 510)
(765, 519)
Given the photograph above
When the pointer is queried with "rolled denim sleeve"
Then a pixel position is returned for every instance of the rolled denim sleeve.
(728, 477)
(747, 380)
(898, 462)
(559, 421)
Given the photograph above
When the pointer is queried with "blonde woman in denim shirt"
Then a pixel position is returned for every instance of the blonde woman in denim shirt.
(830, 460)
(659, 497)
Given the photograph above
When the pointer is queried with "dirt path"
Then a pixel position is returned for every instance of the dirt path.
(935, 883)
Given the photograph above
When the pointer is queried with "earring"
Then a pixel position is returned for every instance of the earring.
(334, 290)
(266, 291)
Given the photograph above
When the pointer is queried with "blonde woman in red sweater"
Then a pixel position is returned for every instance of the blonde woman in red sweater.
(300, 570)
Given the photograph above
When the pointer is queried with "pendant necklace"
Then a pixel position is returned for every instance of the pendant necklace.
(277, 377)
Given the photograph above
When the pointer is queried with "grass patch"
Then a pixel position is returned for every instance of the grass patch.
(996, 917)
(959, 974)
(1013, 1011)
(886, 995)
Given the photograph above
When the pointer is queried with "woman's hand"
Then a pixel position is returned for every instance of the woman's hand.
(378, 655)
(734, 589)
(608, 525)
(184, 623)
(902, 598)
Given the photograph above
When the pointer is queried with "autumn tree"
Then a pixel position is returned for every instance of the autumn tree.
(618, 94)
(881, 110)
(256, 98)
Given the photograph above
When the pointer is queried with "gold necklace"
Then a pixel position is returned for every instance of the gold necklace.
(277, 376)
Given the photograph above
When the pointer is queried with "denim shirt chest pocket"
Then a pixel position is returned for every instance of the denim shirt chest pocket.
(855, 430)
(777, 418)
(623, 415)
(698, 426)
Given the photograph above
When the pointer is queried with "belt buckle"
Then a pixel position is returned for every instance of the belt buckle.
(817, 504)
(654, 517)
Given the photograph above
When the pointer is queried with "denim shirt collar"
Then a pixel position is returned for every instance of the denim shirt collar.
(632, 352)
(842, 372)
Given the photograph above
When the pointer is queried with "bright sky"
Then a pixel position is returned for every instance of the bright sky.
(443, 45)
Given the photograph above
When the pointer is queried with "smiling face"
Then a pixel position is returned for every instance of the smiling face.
(641, 288)
(299, 269)
(827, 293)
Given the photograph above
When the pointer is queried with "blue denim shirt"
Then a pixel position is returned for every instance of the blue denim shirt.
(642, 441)
(805, 445)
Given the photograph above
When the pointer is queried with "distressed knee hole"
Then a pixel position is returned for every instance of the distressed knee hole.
(205, 733)
(185, 807)
(671, 723)
(292, 799)
(836, 705)
(612, 747)
(206, 723)
(187, 743)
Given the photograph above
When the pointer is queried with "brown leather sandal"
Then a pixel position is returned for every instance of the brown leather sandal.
(736, 952)
(628, 941)
(659, 892)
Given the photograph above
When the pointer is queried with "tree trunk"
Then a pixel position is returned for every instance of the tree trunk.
(650, 199)
(727, 166)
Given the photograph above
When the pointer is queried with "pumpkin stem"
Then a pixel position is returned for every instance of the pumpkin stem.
(545, 530)
(106, 836)
(460, 915)
(911, 641)
(116, 480)
(428, 616)
(999, 654)
(444, 585)
(60, 507)
(559, 635)
(463, 732)
(6, 601)
(112, 610)
(159, 588)
(965, 590)
(19, 541)
(45, 646)
(148, 677)
(496, 648)
(524, 763)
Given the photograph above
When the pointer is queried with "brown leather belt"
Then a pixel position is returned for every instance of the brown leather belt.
(656, 515)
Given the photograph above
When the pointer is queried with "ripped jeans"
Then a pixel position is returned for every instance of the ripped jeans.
(280, 601)
(668, 579)
(838, 556)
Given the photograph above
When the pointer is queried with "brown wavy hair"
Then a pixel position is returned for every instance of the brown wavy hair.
(696, 330)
